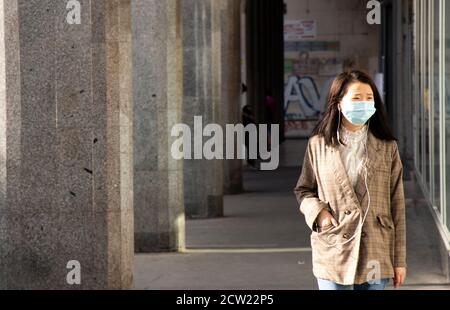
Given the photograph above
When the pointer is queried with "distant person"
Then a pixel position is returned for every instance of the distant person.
(351, 191)
(243, 88)
(271, 107)
(247, 119)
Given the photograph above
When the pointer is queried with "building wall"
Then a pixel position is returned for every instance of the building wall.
(343, 40)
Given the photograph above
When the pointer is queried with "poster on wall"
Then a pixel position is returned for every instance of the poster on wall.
(297, 30)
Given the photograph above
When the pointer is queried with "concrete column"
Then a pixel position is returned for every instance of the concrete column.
(66, 145)
(157, 54)
(203, 179)
(231, 85)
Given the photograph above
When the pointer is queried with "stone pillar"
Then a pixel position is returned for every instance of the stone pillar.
(158, 178)
(66, 145)
(203, 179)
(231, 85)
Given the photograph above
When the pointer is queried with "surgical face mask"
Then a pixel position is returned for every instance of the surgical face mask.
(358, 112)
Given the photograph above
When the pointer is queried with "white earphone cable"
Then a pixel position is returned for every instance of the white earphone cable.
(361, 222)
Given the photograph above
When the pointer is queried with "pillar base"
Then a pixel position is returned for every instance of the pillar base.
(154, 242)
(213, 209)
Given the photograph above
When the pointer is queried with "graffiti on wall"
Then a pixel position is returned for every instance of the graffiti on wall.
(304, 104)
(307, 83)
(305, 95)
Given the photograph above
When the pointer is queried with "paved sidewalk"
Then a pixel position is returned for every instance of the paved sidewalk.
(263, 243)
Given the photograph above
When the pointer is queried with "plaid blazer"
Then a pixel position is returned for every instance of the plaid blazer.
(347, 254)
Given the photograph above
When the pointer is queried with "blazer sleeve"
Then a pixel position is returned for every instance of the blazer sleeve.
(306, 191)
(398, 209)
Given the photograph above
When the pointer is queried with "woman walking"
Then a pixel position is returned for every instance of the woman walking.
(351, 191)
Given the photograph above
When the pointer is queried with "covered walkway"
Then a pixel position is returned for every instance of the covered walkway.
(91, 194)
(263, 243)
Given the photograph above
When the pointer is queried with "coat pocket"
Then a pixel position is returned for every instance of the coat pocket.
(385, 221)
(387, 234)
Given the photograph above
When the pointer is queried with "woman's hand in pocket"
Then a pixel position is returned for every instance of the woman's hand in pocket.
(325, 219)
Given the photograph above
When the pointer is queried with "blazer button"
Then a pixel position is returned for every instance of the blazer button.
(345, 236)
(348, 212)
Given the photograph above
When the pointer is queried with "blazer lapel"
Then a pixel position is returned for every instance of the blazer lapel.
(342, 180)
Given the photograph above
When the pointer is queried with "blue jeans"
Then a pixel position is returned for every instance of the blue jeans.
(378, 285)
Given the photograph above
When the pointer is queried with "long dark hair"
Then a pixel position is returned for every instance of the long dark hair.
(328, 125)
